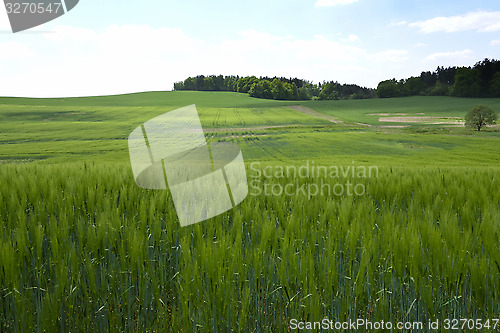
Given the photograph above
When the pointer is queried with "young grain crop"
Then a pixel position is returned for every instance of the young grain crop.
(83, 248)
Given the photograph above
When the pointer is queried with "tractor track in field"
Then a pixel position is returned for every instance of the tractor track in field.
(273, 152)
(239, 116)
(216, 121)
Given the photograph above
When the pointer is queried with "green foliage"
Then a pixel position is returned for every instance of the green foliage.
(467, 83)
(328, 92)
(388, 88)
(305, 94)
(480, 116)
(275, 88)
(261, 89)
(413, 86)
(440, 89)
(281, 90)
(209, 84)
(245, 84)
(495, 85)
(480, 81)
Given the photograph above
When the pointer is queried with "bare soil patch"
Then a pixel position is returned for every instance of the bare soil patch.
(404, 119)
(423, 120)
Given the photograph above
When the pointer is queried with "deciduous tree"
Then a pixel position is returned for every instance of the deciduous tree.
(480, 116)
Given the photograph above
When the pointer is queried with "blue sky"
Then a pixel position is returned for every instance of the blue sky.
(108, 47)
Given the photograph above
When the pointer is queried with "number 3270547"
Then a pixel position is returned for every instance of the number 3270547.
(33, 8)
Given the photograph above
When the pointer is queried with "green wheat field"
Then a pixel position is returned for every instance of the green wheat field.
(83, 249)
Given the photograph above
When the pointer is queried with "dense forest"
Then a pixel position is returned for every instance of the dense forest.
(276, 88)
(481, 80)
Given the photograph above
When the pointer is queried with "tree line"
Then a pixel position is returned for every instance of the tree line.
(278, 88)
(481, 80)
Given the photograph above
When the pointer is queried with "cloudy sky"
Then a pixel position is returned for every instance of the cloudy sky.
(120, 46)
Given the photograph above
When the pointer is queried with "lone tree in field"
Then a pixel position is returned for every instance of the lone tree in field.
(480, 116)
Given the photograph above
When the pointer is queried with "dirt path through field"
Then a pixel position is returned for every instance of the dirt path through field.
(312, 113)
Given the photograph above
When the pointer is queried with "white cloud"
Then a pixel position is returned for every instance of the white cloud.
(61, 33)
(321, 48)
(351, 39)
(15, 50)
(481, 21)
(79, 62)
(391, 56)
(258, 53)
(456, 57)
(420, 45)
(398, 24)
(129, 58)
(495, 42)
(331, 3)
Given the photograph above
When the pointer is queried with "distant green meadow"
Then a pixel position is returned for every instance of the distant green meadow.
(96, 128)
(82, 248)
